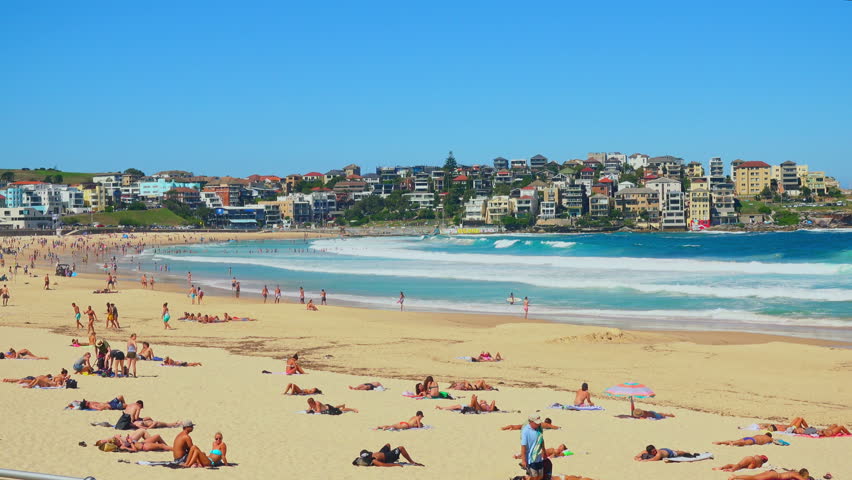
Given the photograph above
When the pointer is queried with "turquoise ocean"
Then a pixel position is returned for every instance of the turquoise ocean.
(792, 283)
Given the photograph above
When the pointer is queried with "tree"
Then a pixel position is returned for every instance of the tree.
(136, 206)
(135, 171)
(450, 165)
(8, 176)
(766, 192)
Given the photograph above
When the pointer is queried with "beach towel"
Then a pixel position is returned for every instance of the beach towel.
(700, 457)
(817, 436)
(47, 388)
(575, 407)
(102, 424)
(424, 427)
(756, 428)
(152, 359)
(278, 373)
(174, 464)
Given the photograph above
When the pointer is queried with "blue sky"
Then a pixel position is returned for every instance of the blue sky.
(283, 87)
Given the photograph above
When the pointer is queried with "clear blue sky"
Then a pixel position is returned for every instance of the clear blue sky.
(282, 87)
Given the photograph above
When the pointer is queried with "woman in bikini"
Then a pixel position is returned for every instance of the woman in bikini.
(178, 363)
(414, 422)
(366, 386)
(475, 405)
(327, 408)
(293, 389)
(293, 367)
(23, 354)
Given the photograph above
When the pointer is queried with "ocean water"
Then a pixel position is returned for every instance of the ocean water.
(794, 283)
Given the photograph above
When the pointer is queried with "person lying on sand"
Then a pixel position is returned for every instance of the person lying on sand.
(833, 431)
(754, 461)
(477, 385)
(366, 386)
(385, 457)
(293, 366)
(653, 454)
(583, 397)
(43, 381)
(639, 413)
(23, 354)
(802, 474)
(178, 363)
(475, 405)
(327, 408)
(116, 403)
(745, 441)
(138, 441)
(549, 452)
(414, 422)
(547, 425)
(486, 357)
(293, 389)
(797, 422)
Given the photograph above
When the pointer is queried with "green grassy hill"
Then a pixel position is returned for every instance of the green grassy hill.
(39, 176)
(156, 216)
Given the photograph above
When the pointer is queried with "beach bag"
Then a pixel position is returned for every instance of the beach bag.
(70, 383)
(124, 423)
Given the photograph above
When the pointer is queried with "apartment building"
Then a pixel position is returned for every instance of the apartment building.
(751, 178)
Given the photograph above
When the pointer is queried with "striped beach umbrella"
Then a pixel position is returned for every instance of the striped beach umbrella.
(630, 389)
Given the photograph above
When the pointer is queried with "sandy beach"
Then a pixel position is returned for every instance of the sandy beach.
(712, 382)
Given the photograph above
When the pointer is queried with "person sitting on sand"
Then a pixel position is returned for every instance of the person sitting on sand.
(293, 367)
(583, 397)
(486, 357)
(549, 452)
(366, 386)
(139, 441)
(385, 457)
(477, 385)
(182, 447)
(745, 441)
(178, 363)
(653, 454)
(23, 354)
(475, 406)
(431, 390)
(146, 353)
(293, 389)
(327, 408)
(639, 413)
(116, 403)
(216, 457)
(547, 425)
(310, 306)
(754, 461)
(414, 422)
(802, 474)
(83, 364)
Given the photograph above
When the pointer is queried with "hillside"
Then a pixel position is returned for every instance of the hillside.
(156, 216)
(40, 175)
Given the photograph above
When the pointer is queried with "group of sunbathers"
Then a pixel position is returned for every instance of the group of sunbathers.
(41, 381)
(799, 426)
(486, 357)
(205, 318)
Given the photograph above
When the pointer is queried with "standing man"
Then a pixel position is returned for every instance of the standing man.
(264, 293)
(4, 292)
(46, 282)
(77, 314)
(237, 291)
(322, 297)
(277, 293)
(193, 292)
(301, 295)
(533, 451)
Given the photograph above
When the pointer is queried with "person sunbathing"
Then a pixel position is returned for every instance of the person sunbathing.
(795, 423)
(549, 452)
(116, 403)
(639, 413)
(833, 431)
(802, 474)
(366, 386)
(745, 441)
(138, 441)
(327, 408)
(293, 366)
(178, 363)
(23, 354)
(477, 385)
(653, 454)
(149, 422)
(547, 425)
(754, 461)
(414, 422)
(385, 457)
(42, 381)
(293, 389)
(486, 357)
(475, 406)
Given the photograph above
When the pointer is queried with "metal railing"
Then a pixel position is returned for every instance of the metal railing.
(20, 475)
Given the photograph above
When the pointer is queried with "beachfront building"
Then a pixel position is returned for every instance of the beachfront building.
(245, 218)
(664, 186)
(155, 190)
(498, 207)
(94, 196)
(229, 193)
(699, 208)
(526, 204)
(211, 200)
(575, 200)
(717, 171)
(44, 197)
(722, 204)
(323, 203)
(474, 209)
(816, 182)
(295, 207)
(673, 215)
(635, 202)
(187, 196)
(421, 199)
(734, 166)
(786, 178)
(550, 202)
(751, 178)
(21, 218)
(599, 205)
